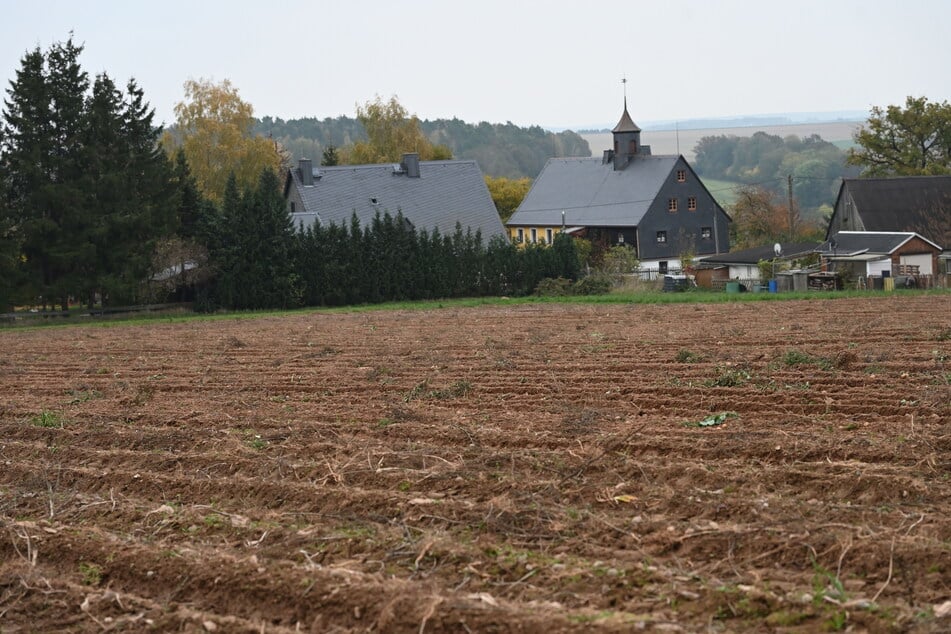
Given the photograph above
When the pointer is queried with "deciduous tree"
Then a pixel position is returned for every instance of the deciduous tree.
(507, 194)
(905, 141)
(215, 128)
(391, 131)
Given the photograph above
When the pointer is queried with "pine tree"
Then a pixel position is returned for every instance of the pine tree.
(89, 186)
(26, 155)
(60, 240)
(272, 273)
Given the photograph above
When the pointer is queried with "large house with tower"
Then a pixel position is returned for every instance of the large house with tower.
(654, 204)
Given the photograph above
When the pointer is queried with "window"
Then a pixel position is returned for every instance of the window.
(548, 235)
(519, 235)
(692, 203)
(681, 176)
(632, 147)
(706, 233)
(534, 236)
(620, 238)
(672, 205)
(662, 267)
(293, 207)
(661, 237)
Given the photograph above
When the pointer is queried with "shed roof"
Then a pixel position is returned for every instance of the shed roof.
(594, 194)
(766, 252)
(872, 242)
(445, 193)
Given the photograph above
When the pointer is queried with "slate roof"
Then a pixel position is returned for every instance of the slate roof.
(871, 242)
(626, 124)
(592, 194)
(908, 203)
(753, 256)
(446, 192)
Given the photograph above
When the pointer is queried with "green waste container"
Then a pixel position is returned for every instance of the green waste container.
(732, 287)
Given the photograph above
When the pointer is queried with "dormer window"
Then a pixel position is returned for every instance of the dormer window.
(373, 200)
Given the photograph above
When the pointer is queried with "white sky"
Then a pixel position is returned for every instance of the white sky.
(554, 63)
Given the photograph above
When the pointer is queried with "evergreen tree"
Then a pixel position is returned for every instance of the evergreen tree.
(27, 154)
(271, 238)
(330, 156)
(253, 250)
(89, 188)
(225, 247)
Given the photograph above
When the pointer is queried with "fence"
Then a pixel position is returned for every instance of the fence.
(108, 311)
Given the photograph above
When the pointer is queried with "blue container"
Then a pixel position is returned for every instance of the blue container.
(772, 286)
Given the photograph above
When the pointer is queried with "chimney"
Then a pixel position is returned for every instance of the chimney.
(410, 164)
(608, 157)
(306, 172)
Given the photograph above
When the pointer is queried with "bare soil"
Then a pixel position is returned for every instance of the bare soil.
(533, 468)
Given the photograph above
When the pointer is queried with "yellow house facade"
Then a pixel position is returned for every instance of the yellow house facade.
(533, 235)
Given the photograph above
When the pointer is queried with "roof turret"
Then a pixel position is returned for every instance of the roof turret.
(626, 124)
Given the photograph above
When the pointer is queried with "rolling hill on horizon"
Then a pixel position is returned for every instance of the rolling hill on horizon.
(738, 121)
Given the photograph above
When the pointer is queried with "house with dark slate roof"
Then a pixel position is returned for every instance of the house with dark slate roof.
(655, 204)
(430, 194)
(921, 204)
(864, 254)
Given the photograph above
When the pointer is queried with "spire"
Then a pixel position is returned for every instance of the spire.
(627, 138)
(626, 124)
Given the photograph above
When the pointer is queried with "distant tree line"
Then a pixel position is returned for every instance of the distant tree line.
(502, 150)
(767, 160)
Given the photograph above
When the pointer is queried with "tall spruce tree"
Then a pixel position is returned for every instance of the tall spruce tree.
(87, 188)
(270, 246)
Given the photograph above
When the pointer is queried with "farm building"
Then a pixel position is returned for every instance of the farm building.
(920, 204)
(863, 255)
(430, 194)
(715, 270)
(655, 204)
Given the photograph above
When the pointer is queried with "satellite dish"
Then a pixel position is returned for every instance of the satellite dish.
(778, 249)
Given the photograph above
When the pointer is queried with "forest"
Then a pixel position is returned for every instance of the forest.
(766, 160)
(502, 150)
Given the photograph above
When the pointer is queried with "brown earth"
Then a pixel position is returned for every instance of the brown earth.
(534, 468)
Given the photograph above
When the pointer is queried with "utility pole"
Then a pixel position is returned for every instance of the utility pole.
(792, 213)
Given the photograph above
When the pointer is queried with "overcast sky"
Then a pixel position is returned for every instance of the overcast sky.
(554, 63)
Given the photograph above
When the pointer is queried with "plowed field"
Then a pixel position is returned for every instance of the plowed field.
(767, 466)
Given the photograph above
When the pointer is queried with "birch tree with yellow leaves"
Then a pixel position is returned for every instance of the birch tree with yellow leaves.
(214, 128)
(391, 131)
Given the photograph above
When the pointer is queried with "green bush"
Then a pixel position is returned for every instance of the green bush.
(554, 287)
(594, 284)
